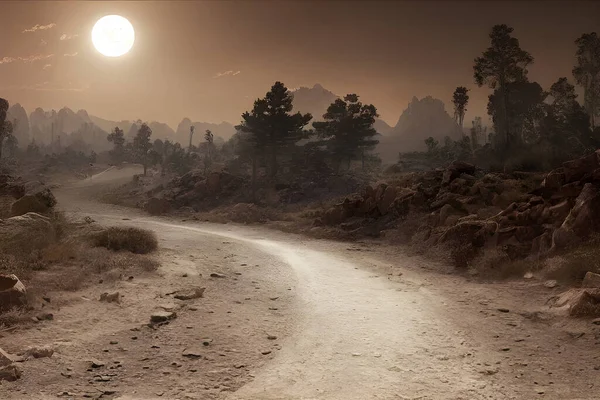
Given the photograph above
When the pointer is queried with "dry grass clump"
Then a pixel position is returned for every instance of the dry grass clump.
(496, 264)
(135, 240)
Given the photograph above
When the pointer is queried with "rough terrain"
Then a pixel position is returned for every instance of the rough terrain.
(360, 321)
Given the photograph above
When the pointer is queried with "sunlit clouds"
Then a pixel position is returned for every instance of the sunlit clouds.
(64, 37)
(28, 59)
(226, 73)
(71, 54)
(47, 66)
(40, 28)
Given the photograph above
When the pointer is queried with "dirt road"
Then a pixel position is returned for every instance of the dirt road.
(307, 319)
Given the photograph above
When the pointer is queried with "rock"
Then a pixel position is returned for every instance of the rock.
(271, 337)
(446, 211)
(469, 232)
(10, 373)
(488, 212)
(503, 310)
(110, 297)
(94, 363)
(26, 233)
(591, 280)
(455, 169)
(265, 352)
(192, 353)
(157, 206)
(596, 321)
(559, 212)
(12, 292)
(162, 316)
(26, 204)
(583, 219)
(576, 169)
(189, 294)
(528, 275)
(386, 200)
(555, 179)
(38, 352)
(5, 358)
(334, 215)
(452, 199)
(580, 302)
(551, 284)
(88, 220)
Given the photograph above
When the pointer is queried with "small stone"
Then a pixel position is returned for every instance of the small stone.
(273, 298)
(505, 349)
(264, 353)
(184, 275)
(114, 342)
(162, 316)
(110, 297)
(551, 284)
(504, 310)
(528, 275)
(596, 321)
(96, 363)
(192, 353)
(189, 294)
(271, 337)
(217, 275)
(46, 299)
(238, 366)
(38, 352)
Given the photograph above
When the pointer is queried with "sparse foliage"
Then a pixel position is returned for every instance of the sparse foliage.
(502, 64)
(460, 99)
(117, 138)
(587, 73)
(6, 127)
(142, 144)
(348, 131)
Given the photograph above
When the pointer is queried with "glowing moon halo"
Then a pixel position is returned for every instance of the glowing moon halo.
(113, 35)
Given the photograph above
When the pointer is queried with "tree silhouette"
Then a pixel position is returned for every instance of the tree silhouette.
(525, 109)
(566, 125)
(142, 144)
(209, 138)
(6, 127)
(271, 126)
(117, 138)
(192, 129)
(587, 73)
(503, 63)
(348, 129)
(460, 99)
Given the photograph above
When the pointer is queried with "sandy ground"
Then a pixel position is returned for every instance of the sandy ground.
(297, 318)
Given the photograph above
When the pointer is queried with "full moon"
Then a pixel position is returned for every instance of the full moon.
(113, 35)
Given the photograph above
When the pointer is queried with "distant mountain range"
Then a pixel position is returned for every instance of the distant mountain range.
(421, 119)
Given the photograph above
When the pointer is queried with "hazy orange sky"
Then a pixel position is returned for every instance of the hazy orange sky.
(387, 52)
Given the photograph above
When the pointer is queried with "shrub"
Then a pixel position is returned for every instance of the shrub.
(135, 240)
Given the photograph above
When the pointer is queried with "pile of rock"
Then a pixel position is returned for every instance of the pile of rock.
(467, 207)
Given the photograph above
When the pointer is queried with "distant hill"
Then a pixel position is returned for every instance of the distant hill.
(224, 131)
(421, 119)
(18, 116)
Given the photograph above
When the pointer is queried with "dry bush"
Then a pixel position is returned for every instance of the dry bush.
(496, 264)
(572, 264)
(15, 316)
(135, 240)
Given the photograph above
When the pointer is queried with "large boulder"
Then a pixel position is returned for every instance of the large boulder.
(157, 206)
(455, 170)
(576, 169)
(12, 294)
(25, 233)
(583, 219)
(555, 179)
(580, 302)
(26, 204)
(591, 280)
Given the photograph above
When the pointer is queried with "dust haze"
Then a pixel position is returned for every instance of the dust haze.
(410, 213)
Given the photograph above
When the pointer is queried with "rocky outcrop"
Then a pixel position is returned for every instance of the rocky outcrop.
(12, 294)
